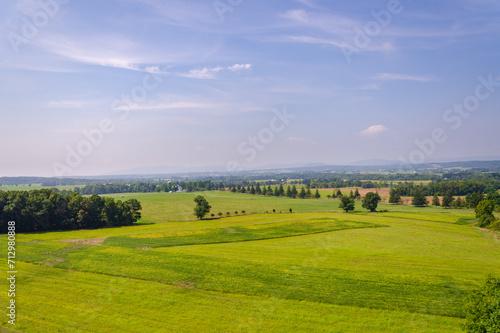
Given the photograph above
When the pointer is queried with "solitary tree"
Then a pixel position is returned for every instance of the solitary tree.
(346, 203)
(202, 207)
(371, 201)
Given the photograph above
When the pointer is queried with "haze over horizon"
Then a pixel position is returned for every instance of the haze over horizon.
(89, 88)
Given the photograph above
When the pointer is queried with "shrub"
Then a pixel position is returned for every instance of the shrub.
(483, 308)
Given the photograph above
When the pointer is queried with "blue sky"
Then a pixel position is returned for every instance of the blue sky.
(204, 83)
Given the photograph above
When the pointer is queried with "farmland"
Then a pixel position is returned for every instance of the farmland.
(316, 269)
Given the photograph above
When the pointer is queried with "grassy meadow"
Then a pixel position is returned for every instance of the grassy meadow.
(314, 270)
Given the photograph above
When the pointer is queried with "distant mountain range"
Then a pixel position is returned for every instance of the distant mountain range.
(372, 165)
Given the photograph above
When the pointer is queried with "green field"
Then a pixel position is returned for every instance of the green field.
(315, 270)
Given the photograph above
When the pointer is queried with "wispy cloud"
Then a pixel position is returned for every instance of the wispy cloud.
(374, 131)
(308, 3)
(170, 106)
(404, 77)
(210, 72)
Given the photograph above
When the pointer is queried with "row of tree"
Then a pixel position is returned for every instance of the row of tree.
(418, 194)
(277, 191)
(44, 210)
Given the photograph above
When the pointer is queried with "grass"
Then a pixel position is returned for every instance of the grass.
(86, 302)
(273, 226)
(316, 270)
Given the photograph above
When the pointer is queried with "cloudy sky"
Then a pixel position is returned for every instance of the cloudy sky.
(91, 87)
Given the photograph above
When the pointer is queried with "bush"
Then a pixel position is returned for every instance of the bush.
(242, 212)
(483, 308)
(495, 225)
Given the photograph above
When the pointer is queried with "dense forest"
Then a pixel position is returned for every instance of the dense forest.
(43, 210)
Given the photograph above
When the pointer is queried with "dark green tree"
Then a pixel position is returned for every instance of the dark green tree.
(371, 201)
(473, 199)
(394, 197)
(356, 194)
(257, 189)
(202, 207)
(276, 191)
(448, 199)
(281, 191)
(419, 199)
(484, 213)
(435, 200)
(302, 193)
(458, 203)
(346, 203)
(317, 195)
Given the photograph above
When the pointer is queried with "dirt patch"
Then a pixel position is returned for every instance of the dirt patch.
(88, 241)
(231, 231)
(144, 248)
(34, 241)
(184, 285)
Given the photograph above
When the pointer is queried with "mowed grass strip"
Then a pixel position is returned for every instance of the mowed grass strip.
(296, 225)
(55, 300)
(372, 289)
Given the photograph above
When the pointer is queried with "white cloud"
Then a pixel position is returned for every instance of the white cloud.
(209, 73)
(239, 67)
(374, 130)
(169, 106)
(404, 77)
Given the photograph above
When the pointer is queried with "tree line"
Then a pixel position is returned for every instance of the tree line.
(45, 210)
